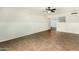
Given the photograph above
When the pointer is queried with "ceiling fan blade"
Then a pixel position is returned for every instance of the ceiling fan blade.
(53, 9)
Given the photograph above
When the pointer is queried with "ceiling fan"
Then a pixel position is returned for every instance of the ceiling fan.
(50, 9)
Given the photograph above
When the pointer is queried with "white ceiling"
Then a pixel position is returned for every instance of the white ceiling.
(67, 9)
(58, 9)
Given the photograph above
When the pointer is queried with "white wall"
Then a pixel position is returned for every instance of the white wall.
(68, 27)
(17, 22)
(71, 25)
(72, 18)
(69, 17)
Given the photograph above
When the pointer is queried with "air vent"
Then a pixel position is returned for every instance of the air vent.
(74, 13)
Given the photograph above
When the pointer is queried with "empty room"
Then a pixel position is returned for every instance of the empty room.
(39, 29)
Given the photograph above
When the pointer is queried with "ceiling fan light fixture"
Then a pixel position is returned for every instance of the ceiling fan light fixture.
(48, 11)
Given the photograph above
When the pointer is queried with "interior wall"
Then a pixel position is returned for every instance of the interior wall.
(17, 22)
(71, 24)
(69, 17)
(72, 18)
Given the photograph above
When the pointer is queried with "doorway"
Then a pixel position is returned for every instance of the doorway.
(55, 20)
